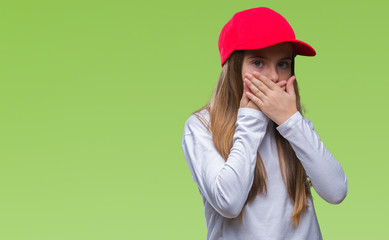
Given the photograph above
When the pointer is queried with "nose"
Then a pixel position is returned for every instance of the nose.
(272, 74)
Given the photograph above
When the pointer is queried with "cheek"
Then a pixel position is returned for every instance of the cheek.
(285, 74)
(284, 77)
(245, 69)
(249, 69)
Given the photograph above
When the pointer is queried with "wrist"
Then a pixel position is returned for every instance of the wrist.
(285, 118)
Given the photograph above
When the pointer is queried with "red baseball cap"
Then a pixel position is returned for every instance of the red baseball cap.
(258, 28)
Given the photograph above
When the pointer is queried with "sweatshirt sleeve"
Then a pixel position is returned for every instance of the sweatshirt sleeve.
(326, 174)
(225, 184)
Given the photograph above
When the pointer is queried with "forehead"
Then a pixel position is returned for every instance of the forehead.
(276, 50)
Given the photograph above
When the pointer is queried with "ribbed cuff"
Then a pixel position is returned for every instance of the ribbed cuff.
(290, 123)
(244, 111)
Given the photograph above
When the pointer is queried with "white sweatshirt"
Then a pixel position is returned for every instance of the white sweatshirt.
(224, 185)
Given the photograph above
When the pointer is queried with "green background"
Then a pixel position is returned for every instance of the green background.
(94, 96)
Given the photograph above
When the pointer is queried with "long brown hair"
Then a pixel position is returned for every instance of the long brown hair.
(223, 109)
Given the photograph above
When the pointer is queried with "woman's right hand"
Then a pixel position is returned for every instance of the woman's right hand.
(245, 102)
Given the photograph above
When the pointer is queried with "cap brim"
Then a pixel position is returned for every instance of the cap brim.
(301, 48)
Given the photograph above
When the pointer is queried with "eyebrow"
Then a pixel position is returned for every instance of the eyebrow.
(257, 56)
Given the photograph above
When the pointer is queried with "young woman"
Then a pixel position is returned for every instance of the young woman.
(251, 152)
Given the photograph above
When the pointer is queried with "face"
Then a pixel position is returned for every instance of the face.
(274, 62)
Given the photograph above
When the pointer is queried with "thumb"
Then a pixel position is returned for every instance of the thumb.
(289, 85)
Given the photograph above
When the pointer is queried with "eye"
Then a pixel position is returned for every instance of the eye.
(257, 61)
(283, 65)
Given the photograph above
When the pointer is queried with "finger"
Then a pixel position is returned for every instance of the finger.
(254, 99)
(281, 83)
(289, 85)
(257, 83)
(245, 87)
(269, 83)
(254, 90)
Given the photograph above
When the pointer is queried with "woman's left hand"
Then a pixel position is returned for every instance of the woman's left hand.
(273, 101)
